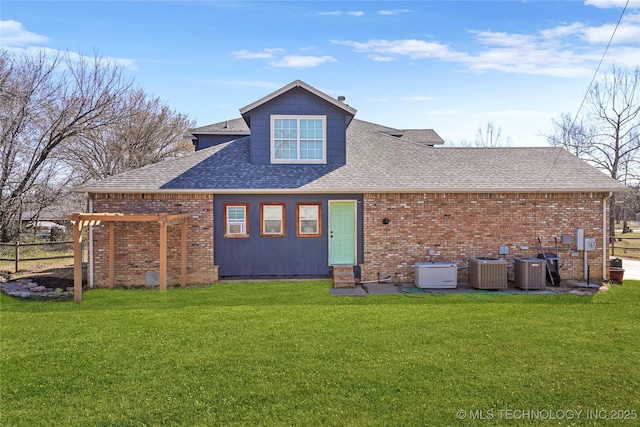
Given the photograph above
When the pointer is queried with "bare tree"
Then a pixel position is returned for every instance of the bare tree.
(44, 102)
(610, 138)
(146, 132)
(489, 137)
(575, 137)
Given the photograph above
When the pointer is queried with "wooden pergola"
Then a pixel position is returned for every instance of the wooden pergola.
(164, 220)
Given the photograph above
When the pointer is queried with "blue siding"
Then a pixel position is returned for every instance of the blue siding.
(298, 101)
(288, 256)
(206, 141)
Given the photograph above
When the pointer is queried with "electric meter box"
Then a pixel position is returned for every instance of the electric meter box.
(590, 244)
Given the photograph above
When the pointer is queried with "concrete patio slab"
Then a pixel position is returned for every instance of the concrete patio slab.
(409, 289)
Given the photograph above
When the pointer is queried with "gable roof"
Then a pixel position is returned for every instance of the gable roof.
(376, 163)
(303, 85)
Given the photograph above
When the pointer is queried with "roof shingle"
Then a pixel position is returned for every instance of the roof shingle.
(376, 162)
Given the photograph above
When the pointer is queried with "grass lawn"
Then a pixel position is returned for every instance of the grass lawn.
(289, 354)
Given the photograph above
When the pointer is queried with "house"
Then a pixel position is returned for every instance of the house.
(297, 187)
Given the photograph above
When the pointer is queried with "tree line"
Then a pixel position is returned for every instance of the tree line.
(66, 120)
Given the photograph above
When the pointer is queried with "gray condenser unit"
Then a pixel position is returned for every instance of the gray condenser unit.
(487, 273)
(530, 273)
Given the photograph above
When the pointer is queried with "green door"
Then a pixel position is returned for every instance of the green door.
(342, 233)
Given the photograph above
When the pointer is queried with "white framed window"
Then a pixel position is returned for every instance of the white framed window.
(309, 220)
(236, 220)
(298, 139)
(272, 222)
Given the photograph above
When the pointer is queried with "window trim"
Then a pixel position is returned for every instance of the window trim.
(226, 222)
(299, 232)
(298, 160)
(284, 219)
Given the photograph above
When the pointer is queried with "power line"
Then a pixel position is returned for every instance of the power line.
(598, 67)
(589, 88)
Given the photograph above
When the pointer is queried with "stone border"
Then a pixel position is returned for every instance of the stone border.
(27, 289)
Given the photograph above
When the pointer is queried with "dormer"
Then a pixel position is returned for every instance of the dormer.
(298, 124)
(218, 133)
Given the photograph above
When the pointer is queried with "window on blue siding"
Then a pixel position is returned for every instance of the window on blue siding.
(309, 221)
(236, 220)
(298, 139)
(273, 219)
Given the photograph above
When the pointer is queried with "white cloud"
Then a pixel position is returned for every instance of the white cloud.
(393, 12)
(395, 48)
(13, 34)
(627, 32)
(263, 54)
(565, 51)
(73, 57)
(605, 4)
(14, 38)
(300, 61)
(342, 12)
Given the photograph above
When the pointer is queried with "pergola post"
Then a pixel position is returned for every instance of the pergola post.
(77, 260)
(183, 254)
(112, 255)
(163, 255)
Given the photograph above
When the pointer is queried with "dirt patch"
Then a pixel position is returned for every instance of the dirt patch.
(51, 282)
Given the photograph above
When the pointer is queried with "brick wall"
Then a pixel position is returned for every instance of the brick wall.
(138, 244)
(459, 226)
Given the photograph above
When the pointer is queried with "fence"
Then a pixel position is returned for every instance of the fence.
(19, 252)
(625, 245)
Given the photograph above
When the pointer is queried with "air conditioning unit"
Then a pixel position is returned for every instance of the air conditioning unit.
(487, 273)
(530, 273)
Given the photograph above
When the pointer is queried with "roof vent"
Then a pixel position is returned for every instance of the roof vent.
(341, 98)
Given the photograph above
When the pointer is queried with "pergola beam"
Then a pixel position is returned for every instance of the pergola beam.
(164, 220)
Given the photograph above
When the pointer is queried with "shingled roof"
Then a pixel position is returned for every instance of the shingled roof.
(376, 162)
(235, 126)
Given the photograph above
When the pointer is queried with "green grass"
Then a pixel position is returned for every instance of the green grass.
(287, 354)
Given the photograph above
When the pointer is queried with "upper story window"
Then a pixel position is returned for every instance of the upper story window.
(298, 139)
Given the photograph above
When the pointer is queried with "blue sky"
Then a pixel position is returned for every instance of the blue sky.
(448, 65)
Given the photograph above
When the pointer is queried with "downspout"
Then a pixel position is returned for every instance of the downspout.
(605, 243)
(91, 244)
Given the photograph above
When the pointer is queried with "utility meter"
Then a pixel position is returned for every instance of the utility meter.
(590, 244)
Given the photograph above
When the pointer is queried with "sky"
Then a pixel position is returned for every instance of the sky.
(453, 66)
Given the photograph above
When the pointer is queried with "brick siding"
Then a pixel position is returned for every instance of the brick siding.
(138, 244)
(456, 226)
(459, 226)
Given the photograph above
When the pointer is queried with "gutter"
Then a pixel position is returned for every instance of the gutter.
(605, 228)
(340, 191)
